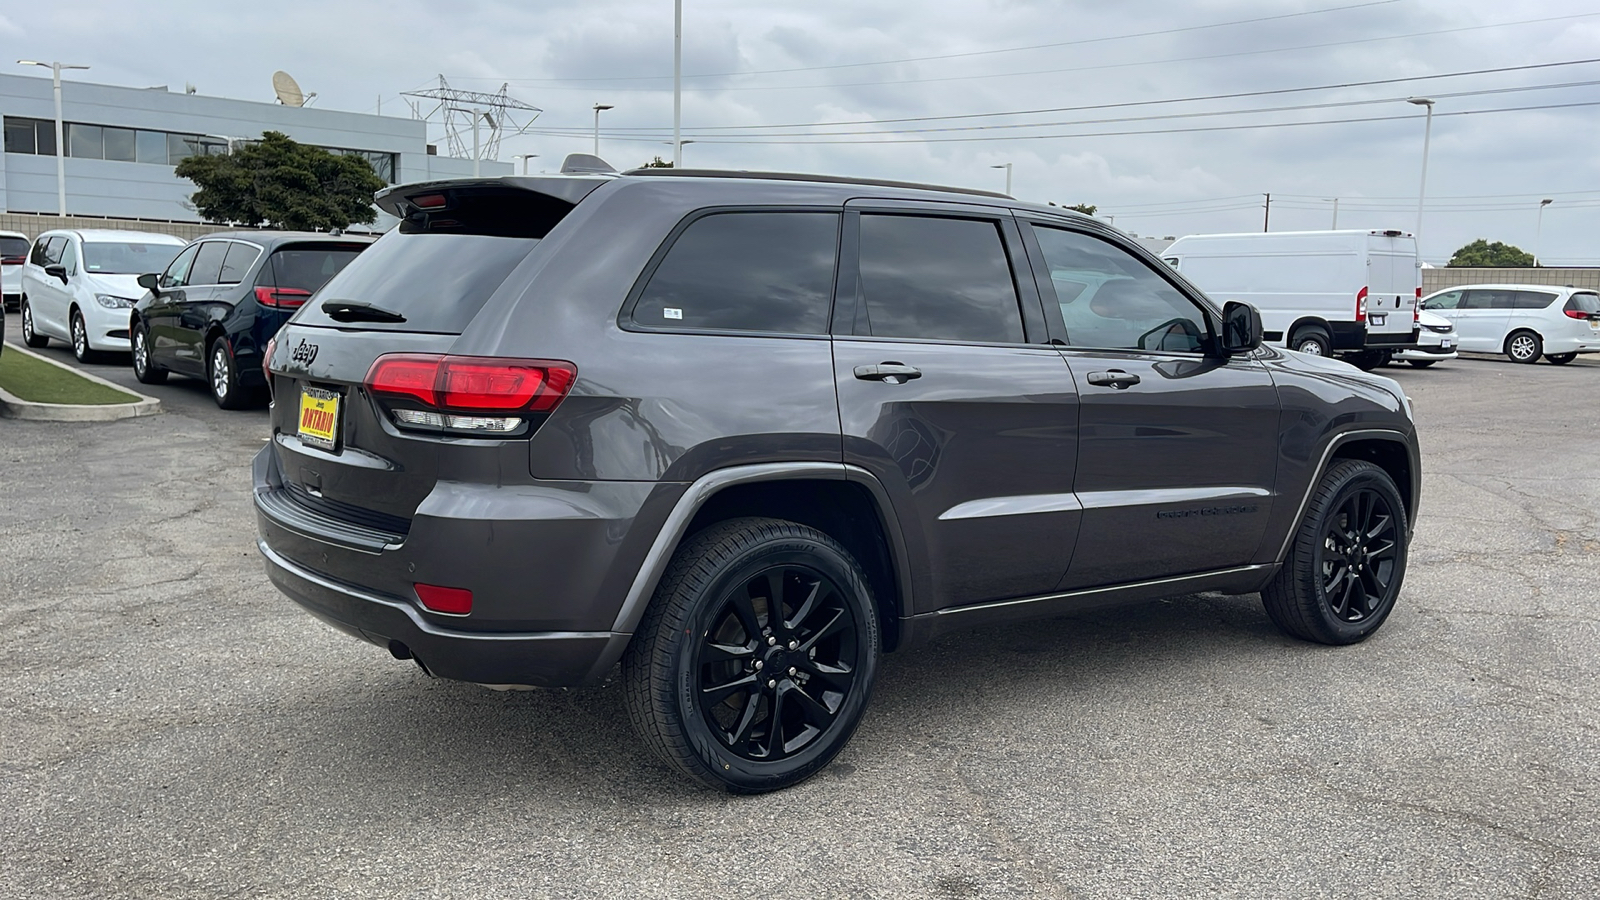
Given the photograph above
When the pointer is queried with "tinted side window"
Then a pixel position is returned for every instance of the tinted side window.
(178, 270)
(1486, 300)
(936, 278)
(237, 263)
(1446, 300)
(1111, 300)
(1532, 300)
(208, 263)
(68, 256)
(36, 257)
(53, 250)
(746, 271)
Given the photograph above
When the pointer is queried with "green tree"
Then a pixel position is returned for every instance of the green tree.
(281, 183)
(1085, 208)
(657, 163)
(1481, 253)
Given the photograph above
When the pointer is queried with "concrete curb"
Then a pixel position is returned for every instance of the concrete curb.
(12, 407)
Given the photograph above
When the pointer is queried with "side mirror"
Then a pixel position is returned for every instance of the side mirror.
(1241, 327)
(151, 281)
(58, 270)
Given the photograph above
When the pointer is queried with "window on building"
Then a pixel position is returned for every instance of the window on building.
(936, 278)
(36, 136)
(120, 144)
(151, 147)
(770, 272)
(86, 141)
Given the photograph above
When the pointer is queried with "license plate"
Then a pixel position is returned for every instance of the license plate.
(1378, 320)
(1445, 345)
(319, 417)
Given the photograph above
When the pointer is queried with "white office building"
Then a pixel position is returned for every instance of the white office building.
(122, 144)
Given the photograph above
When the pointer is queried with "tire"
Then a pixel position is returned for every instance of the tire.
(1334, 588)
(1524, 347)
(1561, 359)
(1367, 360)
(30, 337)
(222, 376)
(80, 340)
(1421, 363)
(1312, 339)
(708, 625)
(143, 369)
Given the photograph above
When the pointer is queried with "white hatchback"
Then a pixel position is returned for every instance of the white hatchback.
(1523, 321)
(80, 285)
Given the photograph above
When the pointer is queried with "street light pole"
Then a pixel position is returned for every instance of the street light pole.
(61, 145)
(1007, 167)
(598, 108)
(1422, 189)
(677, 85)
(1538, 231)
(1335, 225)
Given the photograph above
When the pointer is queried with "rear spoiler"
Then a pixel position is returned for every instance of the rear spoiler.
(399, 200)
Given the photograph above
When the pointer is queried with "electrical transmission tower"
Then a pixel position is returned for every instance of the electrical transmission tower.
(464, 113)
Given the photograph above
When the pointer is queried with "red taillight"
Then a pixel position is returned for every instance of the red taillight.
(454, 601)
(1576, 314)
(1416, 308)
(1361, 305)
(428, 201)
(479, 384)
(12, 260)
(266, 358)
(281, 298)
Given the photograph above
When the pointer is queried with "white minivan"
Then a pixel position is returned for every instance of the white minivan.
(1320, 292)
(1523, 321)
(80, 285)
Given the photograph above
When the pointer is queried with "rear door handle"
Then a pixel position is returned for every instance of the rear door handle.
(1115, 378)
(888, 372)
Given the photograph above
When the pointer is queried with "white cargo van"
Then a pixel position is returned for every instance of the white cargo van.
(1352, 293)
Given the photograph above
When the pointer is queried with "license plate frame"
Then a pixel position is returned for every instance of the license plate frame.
(1378, 318)
(1447, 344)
(321, 429)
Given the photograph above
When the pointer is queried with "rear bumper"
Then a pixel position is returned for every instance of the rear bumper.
(549, 565)
(541, 659)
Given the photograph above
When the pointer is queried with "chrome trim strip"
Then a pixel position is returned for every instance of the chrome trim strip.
(416, 618)
(1089, 592)
(1322, 465)
(655, 561)
(1021, 505)
(1150, 497)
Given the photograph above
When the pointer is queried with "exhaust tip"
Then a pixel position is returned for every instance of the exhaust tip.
(399, 650)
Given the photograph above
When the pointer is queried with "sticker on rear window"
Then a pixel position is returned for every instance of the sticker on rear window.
(671, 313)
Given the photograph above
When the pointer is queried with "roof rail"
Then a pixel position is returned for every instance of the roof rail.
(655, 171)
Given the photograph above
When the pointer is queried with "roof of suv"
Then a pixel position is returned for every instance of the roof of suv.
(278, 237)
(656, 172)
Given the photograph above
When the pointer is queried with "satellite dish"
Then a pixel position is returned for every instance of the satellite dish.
(288, 90)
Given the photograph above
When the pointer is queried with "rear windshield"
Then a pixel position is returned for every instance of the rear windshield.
(1589, 303)
(126, 257)
(437, 281)
(307, 267)
(13, 248)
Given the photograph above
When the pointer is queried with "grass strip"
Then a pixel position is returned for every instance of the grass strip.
(37, 381)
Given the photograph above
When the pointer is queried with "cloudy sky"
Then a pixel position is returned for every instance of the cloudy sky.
(1112, 103)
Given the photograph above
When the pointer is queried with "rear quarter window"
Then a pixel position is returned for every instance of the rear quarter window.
(746, 271)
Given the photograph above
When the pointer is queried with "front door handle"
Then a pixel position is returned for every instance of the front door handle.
(888, 373)
(1115, 378)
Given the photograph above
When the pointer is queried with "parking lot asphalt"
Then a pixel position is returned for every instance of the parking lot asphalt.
(170, 726)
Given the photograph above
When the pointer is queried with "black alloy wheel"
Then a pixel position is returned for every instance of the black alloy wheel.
(1560, 359)
(29, 336)
(143, 368)
(755, 659)
(1346, 561)
(1358, 557)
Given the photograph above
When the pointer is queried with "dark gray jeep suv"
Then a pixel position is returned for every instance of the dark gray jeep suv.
(743, 433)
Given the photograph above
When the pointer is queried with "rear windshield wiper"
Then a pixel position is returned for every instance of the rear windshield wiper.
(352, 311)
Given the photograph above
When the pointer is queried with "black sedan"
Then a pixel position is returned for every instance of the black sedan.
(212, 312)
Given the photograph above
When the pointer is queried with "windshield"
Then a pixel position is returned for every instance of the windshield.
(126, 258)
(438, 282)
(13, 250)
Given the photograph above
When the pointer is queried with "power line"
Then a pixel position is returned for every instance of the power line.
(1135, 63)
(972, 53)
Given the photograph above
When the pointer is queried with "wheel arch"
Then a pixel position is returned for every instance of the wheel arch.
(1505, 344)
(842, 501)
(1389, 450)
